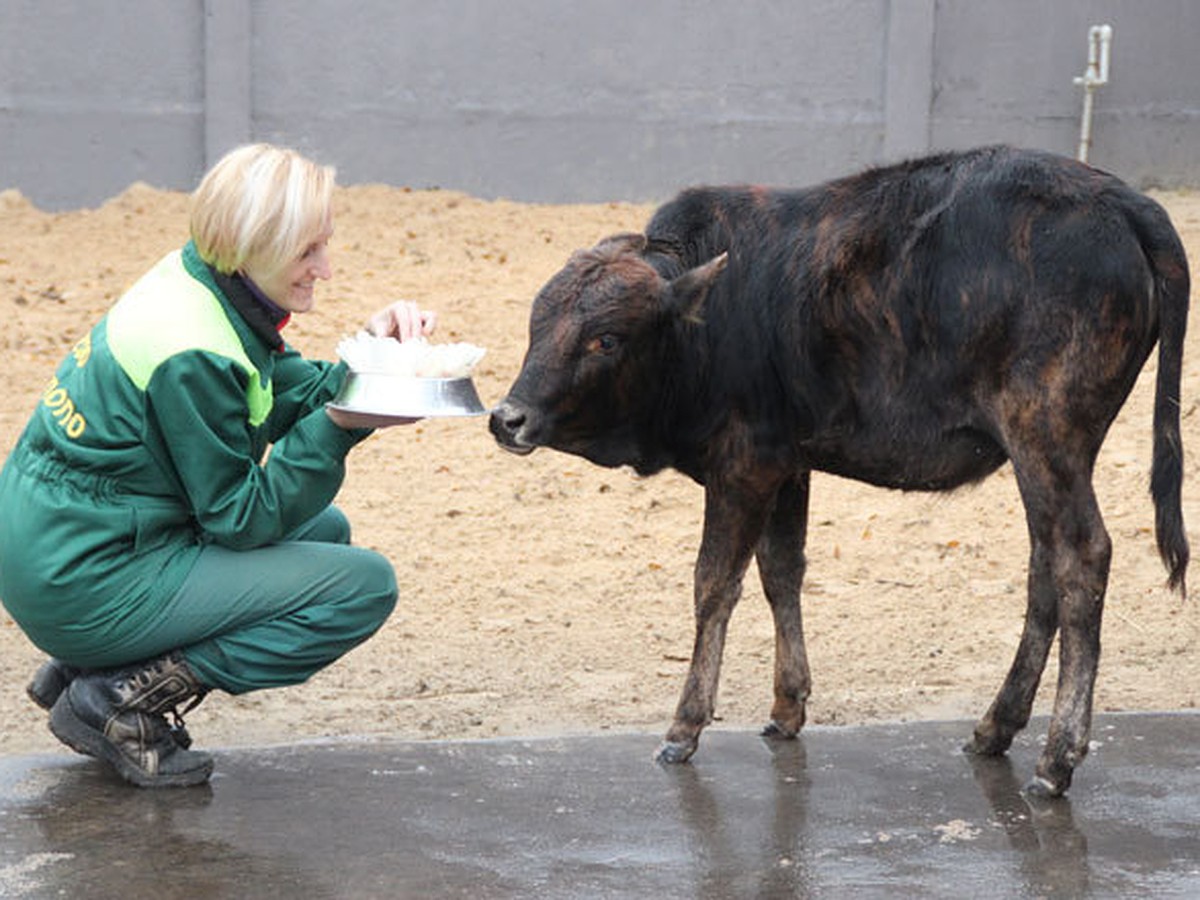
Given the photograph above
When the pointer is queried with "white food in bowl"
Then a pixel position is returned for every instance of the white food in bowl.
(416, 358)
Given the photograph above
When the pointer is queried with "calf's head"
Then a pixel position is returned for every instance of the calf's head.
(600, 334)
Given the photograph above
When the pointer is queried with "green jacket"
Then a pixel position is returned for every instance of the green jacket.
(149, 443)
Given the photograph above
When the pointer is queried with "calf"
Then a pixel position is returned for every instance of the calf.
(914, 327)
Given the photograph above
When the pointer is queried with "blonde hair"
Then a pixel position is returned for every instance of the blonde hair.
(260, 204)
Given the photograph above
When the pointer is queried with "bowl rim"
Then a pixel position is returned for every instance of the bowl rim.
(406, 377)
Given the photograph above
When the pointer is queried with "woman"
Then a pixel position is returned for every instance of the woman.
(147, 541)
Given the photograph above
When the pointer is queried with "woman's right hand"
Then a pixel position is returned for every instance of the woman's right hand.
(403, 320)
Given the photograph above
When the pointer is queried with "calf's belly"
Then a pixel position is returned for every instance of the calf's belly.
(948, 461)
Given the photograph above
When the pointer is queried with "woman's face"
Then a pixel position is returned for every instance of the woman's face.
(291, 287)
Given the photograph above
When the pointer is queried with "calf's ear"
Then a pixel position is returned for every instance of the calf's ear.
(626, 242)
(685, 295)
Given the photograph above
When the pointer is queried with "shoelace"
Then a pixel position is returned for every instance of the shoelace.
(179, 732)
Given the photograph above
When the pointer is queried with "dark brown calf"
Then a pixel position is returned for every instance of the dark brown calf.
(914, 327)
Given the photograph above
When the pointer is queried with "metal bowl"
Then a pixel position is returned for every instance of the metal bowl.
(380, 394)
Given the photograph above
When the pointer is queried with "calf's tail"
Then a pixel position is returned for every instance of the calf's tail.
(1171, 284)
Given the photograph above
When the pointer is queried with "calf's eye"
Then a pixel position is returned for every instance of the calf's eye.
(605, 343)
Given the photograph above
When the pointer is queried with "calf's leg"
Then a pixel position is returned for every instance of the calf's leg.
(1080, 612)
(781, 565)
(1010, 711)
(733, 521)
(1069, 563)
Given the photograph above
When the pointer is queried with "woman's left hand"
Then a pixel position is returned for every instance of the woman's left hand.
(403, 320)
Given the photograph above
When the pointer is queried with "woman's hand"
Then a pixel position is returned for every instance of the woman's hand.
(403, 321)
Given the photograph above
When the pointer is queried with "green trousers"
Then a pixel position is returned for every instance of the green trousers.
(269, 617)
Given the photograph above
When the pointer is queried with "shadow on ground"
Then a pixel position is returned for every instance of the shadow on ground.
(869, 811)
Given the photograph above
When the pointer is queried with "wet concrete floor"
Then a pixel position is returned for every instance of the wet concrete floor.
(869, 811)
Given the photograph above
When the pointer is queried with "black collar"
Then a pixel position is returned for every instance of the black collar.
(263, 316)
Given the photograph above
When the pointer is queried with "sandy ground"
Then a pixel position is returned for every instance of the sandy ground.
(544, 595)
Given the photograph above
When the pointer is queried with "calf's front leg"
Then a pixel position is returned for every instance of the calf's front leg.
(781, 566)
(733, 521)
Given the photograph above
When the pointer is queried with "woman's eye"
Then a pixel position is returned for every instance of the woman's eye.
(605, 343)
(313, 249)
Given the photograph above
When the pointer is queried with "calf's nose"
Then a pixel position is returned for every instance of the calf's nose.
(506, 423)
(507, 416)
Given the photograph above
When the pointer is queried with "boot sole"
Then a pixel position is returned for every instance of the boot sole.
(82, 738)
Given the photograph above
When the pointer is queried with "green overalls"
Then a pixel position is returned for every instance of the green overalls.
(137, 513)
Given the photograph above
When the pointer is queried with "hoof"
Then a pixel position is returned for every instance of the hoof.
(978, 746)
(674, 752)
(1040, 788)
(775, 731)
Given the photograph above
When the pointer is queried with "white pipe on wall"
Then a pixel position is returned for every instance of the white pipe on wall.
(1099, 42)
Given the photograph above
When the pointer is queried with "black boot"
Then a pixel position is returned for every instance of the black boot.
(50, 680)
(53, 677)
(119, 717)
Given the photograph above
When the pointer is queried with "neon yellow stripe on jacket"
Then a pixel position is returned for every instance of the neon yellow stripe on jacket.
(166, 312)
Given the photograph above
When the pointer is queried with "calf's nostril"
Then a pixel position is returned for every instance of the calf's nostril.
(510, 416)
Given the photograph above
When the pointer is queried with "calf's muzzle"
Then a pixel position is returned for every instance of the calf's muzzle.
(507, 424)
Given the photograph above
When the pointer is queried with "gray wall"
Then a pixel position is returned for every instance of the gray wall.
(550, 100)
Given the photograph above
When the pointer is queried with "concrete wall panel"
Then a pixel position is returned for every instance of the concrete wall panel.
(542, 100)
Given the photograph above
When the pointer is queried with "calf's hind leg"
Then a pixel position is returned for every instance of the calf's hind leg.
(1082, 567)
(781, 565)
(1010, 711)
(1069, 564)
